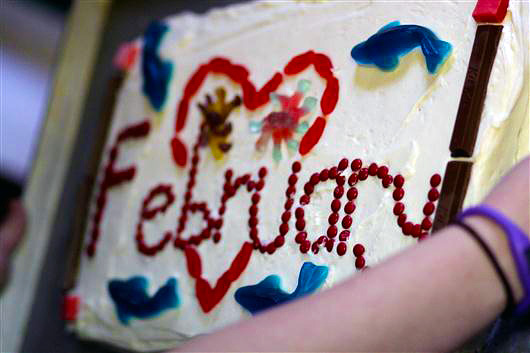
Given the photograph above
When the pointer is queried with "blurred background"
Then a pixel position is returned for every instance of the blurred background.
(30, 34)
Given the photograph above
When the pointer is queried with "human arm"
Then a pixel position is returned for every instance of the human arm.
(431, 297)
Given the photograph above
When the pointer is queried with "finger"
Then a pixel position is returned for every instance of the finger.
(12, 229)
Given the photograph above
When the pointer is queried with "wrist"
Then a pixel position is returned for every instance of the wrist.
(494, 236)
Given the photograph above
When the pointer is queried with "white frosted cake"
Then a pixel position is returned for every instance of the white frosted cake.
(254, 157)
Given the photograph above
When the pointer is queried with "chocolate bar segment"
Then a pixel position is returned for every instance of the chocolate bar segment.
(455, 181)
(474, 93)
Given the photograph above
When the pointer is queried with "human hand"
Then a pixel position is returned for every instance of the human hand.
(11, 231)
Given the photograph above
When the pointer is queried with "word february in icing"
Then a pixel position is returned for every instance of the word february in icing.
(131, 299)
(268, 292)
(156, 72)
(384, 48)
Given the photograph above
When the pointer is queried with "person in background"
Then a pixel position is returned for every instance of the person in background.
(11, 231)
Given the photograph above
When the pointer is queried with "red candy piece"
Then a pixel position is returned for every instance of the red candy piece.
(70, 307)
(360, 262)
(358, 250)
(492, 11)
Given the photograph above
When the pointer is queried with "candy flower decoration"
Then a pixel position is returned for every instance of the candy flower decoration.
(283, 124)
(215, 128)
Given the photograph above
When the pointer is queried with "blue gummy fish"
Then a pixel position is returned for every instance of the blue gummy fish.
(156, 72)
(268, 292)
(384, 48)
(131, 299)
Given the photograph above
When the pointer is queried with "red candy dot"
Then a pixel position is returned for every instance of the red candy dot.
(329, 244)
(387, 180)
(360, 262)
(322, 239)
(338, 192)
(372, 169)
(288, 204)
(253, 222)
(416, 230)
(228, 174)
(333, 218)
(358, 250)
(341, 248)
(382, 171)
(356, 164)
(349, 207)
(299, 213)
(333, 172)
(271, 248)
(399, 207)
(343, 164)
(433, 195)
(332, 231)
(428, 209)
(262, 172)
(407, 228)
(335, 205)
(399, 181)
(315, 178)
(286, 216)
(279, 241)
(426, 224)
(436, 179)
(304, 200)
(309, 188)
(402, 218)
(324, 175)
(304, 247)
(284, 228)
(293, 179)
(296, 167)
(353, 179)
(346, 221)
(363, 174)
(216, 237)
(340, 180)
(352, 194)
(300, 237)
(398, 194)
(255, 198)
(344, 235)
(300, 224)
(315, 248)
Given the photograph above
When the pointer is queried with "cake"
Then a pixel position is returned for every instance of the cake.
(265, 151)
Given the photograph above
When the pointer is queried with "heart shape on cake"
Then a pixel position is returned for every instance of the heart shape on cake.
(253, 99)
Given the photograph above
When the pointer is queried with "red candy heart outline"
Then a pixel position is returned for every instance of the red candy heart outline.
(253, 99)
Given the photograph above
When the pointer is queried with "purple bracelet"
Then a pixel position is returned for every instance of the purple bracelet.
(519, 246)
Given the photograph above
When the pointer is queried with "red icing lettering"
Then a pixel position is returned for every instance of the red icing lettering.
(113, 177)
(149, 213)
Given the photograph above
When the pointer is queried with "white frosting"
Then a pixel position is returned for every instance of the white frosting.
(403, 119)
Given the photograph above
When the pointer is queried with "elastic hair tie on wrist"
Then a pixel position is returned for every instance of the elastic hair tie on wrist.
(510, 299)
